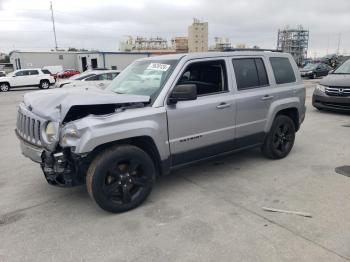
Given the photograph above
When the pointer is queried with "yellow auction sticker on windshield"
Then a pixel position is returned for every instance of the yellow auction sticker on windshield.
(158, 67)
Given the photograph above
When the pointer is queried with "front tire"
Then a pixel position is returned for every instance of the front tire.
(120, 178)
(44, 84)
(4, 87)
(280, 140)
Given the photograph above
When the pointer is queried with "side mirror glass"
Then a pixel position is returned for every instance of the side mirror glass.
(183, 92)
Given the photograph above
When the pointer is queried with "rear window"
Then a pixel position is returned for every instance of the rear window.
(282, 69)
(250, 73)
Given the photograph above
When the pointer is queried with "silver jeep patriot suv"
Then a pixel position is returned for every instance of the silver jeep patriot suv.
(161, 113)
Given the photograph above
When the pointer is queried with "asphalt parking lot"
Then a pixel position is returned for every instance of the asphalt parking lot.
(207, 212)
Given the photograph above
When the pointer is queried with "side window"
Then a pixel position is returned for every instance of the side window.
(33, 72)
(209, 77)
(22, 73)
(103, 77)
(261, 72)
(111, 76)
(92, 78)
(250, 73)
(282, 69)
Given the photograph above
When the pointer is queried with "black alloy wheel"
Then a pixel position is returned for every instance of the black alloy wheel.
(280, 140)
(121, 178)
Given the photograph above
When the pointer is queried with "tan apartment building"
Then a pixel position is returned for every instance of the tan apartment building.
(180, 44)
(198, 36)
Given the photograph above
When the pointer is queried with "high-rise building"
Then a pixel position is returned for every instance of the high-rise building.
(198, 36)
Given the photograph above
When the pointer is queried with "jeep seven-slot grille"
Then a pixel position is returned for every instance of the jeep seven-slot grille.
(29, 127)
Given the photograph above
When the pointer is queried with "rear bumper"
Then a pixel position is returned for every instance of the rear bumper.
(324, 101)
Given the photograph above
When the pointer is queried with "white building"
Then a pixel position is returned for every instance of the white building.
(74, 60)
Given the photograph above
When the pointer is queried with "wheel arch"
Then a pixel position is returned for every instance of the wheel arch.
(289, 109)
(5, 82)
(146, 143)
(293, 113)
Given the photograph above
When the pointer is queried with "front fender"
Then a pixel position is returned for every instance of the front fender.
(97, 130)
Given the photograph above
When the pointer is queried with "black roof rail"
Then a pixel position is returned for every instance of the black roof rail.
(250, 49)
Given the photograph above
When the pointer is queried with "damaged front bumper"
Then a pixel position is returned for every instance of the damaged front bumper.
(61, 168)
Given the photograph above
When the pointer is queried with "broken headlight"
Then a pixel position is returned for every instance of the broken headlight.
(51, 132)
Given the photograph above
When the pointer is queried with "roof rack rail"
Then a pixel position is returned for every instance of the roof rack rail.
(251, 49)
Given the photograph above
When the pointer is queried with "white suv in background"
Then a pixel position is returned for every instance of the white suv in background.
(26, 78)
(97, 78)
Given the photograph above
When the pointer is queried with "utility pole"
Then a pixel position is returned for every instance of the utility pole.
(53, 26)
(339, 38)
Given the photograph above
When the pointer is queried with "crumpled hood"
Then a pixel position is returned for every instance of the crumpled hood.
(54, 104)
(336, 80)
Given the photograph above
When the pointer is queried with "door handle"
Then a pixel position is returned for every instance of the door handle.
(223, 106)
(267, 97)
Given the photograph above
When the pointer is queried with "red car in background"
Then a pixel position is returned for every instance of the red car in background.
(67, 73)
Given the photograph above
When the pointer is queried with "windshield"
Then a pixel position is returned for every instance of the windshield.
(310, 66)
(143, 78)
(344, 68)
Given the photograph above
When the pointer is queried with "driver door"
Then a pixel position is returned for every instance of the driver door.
(203, 127)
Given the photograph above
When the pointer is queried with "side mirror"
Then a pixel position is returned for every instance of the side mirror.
(183, 92)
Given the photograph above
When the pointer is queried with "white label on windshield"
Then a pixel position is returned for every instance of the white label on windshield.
(158, 67)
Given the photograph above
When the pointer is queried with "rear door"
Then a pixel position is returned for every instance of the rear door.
(254, 96)
(204, 127)
(33, 77)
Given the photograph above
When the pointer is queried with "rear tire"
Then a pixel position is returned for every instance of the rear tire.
(44, 84)
(4, 87)
(280, 140)
(120, 178)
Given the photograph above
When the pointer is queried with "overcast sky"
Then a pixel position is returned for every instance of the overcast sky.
(26, 24)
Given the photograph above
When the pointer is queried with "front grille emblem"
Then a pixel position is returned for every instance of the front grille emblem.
(341, 90)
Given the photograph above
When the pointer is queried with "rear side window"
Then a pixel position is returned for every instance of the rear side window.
(250, 73)
(45, 71)
(282, 69)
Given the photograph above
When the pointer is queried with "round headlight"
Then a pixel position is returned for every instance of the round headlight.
(51, 132)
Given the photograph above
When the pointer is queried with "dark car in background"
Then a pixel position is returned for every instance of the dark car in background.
(315, 70)
(333, 91)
